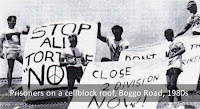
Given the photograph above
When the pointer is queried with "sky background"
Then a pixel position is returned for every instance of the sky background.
(143, 21)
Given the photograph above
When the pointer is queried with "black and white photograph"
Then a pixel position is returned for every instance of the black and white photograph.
(100, 54)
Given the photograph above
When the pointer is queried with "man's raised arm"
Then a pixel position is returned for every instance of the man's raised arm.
(26, 32)
(184, 30)
(99, 36)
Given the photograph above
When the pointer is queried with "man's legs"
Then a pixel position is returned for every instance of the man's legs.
(70, 79)
(10, 70)
(79, 74)
(171, 98)
(174, 79)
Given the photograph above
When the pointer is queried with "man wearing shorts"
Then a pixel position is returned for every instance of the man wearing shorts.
(73, 59)
(193, 20)
(176, 49)
(10, 40)
(116, 44)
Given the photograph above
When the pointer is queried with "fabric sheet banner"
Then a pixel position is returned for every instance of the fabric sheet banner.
(120, 85)
(44, 46)
(190, 60)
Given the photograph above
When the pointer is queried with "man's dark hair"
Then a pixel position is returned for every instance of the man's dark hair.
(72, 35)
(10, 17)
(117, 27)
(191, 3)
(169, 31)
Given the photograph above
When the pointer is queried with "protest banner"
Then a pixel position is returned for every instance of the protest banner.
(146, 52)
(44, 46)
(115, 82)
(190, 60)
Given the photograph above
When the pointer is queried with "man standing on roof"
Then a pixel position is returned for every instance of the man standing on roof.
(176, 49)
(73, 59)
(116, 44)
(193, 20)
(10, 39)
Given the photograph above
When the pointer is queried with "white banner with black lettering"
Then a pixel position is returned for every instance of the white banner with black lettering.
(121, 80)
(44, 46)
(190, 60)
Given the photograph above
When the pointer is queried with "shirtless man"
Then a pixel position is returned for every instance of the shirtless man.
(116, 44)
(193, 20)
(10, 39)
